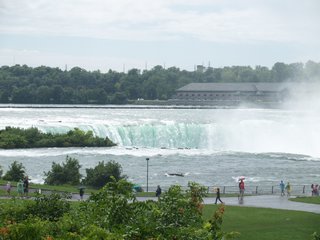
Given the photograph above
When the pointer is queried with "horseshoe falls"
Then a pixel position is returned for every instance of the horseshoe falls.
(246, 135)
(210, 146)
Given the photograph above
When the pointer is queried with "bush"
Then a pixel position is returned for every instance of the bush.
(102, 173)
(51, 207)
(113, 214)
(1, 171)
(67, 173)
(15, 173)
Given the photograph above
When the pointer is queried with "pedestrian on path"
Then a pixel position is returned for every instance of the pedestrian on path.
(158, 191)
(81, 192)
(241, 190)
(8, 188)
(218, 196)
(26, 186)
(316, 190)
(20, 187)
(282, 188)
(288, 188)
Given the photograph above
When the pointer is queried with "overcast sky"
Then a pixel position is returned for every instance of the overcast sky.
(111, 34)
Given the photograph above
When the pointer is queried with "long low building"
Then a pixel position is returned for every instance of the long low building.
(233, 92)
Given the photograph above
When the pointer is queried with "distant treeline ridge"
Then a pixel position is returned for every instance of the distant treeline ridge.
(46, 85)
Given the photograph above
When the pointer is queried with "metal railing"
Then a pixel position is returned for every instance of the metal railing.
(298, 190)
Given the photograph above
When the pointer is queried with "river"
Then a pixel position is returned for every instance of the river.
(210, 146)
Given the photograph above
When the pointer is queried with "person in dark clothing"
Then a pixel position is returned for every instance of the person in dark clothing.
(218, 196)
(81, 192)
(158, 191)
(26, 186)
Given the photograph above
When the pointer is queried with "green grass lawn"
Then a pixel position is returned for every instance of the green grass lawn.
(313, 200)
(267, 224)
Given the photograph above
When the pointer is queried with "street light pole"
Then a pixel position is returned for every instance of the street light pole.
(147, 174)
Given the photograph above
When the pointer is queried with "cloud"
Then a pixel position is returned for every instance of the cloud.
(144, 20)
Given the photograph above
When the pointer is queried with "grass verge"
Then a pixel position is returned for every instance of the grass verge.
(313, 200)
(266, 224)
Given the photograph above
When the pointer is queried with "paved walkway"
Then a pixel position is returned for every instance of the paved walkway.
(264, 201)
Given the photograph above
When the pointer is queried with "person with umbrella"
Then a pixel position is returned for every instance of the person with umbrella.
(241, 188)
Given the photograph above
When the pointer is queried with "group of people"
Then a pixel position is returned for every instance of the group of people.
(314, 189)
(22, 187)
(284, 188)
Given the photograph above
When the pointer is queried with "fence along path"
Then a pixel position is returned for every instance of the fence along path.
(249, 189)
(296, 190)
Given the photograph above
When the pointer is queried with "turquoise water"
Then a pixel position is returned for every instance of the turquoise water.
(210, 146)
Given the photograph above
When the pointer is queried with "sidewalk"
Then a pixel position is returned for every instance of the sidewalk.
(269, 201)
(261, 201)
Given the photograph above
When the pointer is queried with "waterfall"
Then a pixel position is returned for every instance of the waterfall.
(256, 135)
(179, 135)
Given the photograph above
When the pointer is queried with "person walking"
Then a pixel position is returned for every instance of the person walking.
(81, 193)
(158, 191)
(20, 188)
(282, 185)
(241, 189)
(288, 188)
(26, 186)
(8, 188)
(218, 196)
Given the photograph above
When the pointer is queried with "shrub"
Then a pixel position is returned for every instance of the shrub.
(316, 236)
(67, 173)
(30, 229)
(102, 173)
(15, 173)
(51, 207)
(113, 214)
(1, 171)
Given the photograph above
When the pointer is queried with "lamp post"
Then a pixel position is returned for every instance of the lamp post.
(147, 174)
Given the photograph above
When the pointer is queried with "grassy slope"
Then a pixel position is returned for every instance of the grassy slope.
(267, 224)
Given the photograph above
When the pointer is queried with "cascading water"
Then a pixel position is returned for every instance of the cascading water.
(211, 146)
(247, 135)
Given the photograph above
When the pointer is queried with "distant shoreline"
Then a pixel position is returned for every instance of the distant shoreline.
(141, 106)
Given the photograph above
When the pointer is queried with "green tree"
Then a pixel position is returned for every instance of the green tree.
(15, 173)
(67, 173)
(1, 171)
(103, 173)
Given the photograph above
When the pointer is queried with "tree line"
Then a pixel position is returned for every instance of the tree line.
(46, 85)
(68, 173)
